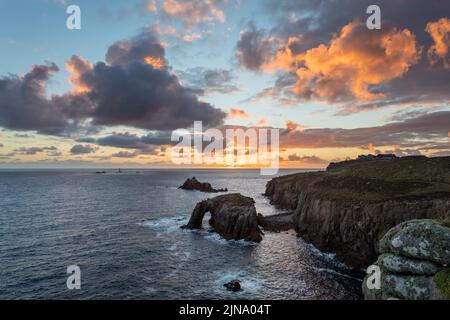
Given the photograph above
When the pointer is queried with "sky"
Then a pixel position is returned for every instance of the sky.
(111, 93)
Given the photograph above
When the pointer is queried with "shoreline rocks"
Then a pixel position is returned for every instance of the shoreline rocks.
(414, 263)
(194, 184)
(233, 216)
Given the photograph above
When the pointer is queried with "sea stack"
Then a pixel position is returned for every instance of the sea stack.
(194, 184)
(233, 216)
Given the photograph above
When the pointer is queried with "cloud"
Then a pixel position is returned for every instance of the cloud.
(193, 12)
(35, 150)
(254, 49)
(307, 159)
(304, 45)
(439, 51)
(134, 88)
(133, 141)
(23, 136)
(124, 154)
(418, 132)
(354, 65)
(237, 114)
(24, 106)
(209, 81)
(151, 6)
(82, 149)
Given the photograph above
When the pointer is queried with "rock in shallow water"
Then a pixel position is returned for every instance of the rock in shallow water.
(234, 285)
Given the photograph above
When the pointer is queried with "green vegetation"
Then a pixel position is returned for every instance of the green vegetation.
(442, 280)
(403, 177)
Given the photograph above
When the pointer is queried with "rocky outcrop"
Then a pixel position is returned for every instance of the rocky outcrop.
(414, 263)
(194, 184)
(348, 208)
(233, 216)
(277, 223)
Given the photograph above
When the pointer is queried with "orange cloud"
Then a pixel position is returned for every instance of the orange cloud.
(237, 114)
(440, 32)
(154, 62)
(151, 6)
(353, 62)
(193, 12)
(77, 66)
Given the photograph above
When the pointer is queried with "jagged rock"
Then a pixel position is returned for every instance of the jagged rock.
(398, 264)
(194, 184)
(234, 286)
(419, 239)
(233, 216)
(407, 287)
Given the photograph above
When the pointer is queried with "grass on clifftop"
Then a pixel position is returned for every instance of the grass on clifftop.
(378, 180)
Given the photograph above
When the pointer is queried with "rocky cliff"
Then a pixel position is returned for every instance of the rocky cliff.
(233, 216)
(348, 208)
(414, 263)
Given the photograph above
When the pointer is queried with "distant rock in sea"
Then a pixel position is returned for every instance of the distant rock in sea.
(194, 184)
(233, 216)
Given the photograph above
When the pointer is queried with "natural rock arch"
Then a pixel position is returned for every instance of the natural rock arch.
(233, 216)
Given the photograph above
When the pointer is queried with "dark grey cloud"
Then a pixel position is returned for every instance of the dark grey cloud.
(128, 90)
(208, 81)
(24, 106)
(125, 154)
(306, 159)
(35, 150)
(82, 149)
(254, 48)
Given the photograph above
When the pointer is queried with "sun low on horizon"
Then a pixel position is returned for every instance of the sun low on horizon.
(111, 91)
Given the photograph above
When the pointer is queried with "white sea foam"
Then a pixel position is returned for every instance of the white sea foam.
(165, 225)
(216, 238)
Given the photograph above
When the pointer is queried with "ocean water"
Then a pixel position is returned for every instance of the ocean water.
(123, 231)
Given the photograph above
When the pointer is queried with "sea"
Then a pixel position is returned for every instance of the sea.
(122, 230)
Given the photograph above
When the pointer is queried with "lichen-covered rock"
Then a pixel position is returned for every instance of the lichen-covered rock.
(419, 239)
(233, 216)
(398, 264)
(406, 287)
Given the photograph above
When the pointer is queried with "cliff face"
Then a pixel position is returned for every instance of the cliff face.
(347, 209)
